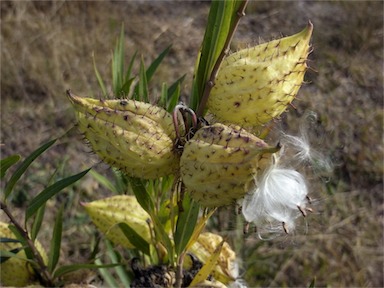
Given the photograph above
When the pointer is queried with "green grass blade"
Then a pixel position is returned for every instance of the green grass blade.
(156, 63)
(54, 251)
(24, 166)
(118, 64)
(142, 88)
(104, 181)
(121, 271)
(98, 77)
(128, 74)
(186, 223)
(134, 238)
(50, 191)
(74, 267)
(163, 96)
(37, 222)
(106, 275)
(6, 163)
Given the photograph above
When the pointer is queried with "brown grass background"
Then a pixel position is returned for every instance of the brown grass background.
(47, 47)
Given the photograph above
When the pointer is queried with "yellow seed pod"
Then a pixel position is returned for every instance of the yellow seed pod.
(133, 136)
(226, 269)
(108, 212)
(256, 85)
(16, 271)
(219, 163)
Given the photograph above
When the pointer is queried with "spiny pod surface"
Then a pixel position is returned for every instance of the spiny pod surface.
(17, 272)
(219, 163)
(255, 85)
(108, 212)
(133, 136)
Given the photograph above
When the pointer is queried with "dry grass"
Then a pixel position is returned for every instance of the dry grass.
(46, 48)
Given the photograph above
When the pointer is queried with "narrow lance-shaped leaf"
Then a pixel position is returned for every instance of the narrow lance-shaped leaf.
(98, 77)
(23, 241)
(208, 266)
(118, 64)
(135, 238)
(24, 166)
(219, 23)
(6, 255)
(6, 163)
(142, 88)
(109, 279)
(186, 223)
(121, 271)
(50, 191)
(37, 222)
(104, 181)
(174, 94)
(71, 268)
(54, 251)
(156, 63)
(142, 195)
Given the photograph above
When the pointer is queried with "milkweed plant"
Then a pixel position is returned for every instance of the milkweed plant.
(180, 162)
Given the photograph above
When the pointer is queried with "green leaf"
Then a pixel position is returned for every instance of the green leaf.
(23, 241)
(70, 268)
(5, 255)
(121, 271)
(108, 278)
(208, 266)
(145, 201)
(98, 77)
(142, 195)
(24, 166)
(118, 64)
(142, 87)
(8, 240)
(50, 191)
(220, 19)
(6, 163)
(313, 283)
(54, 251)
(135, 238)
(172, 96)
(37, 222)
(104, 181)
(186, 223)
(156, 63)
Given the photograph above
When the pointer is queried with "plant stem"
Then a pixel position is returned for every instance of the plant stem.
(179, 270)
(44, 273)
(211, 81)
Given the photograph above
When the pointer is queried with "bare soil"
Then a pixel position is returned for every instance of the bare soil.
(47, 47)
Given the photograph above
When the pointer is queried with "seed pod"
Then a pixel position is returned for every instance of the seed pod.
(255, 85)
(226, 269)
(133, 136)
(16, 271)
(108, 212)
(219, 163)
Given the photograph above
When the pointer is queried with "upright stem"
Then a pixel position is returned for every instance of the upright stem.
(45, 274)
(179, 270)
(211, 81)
